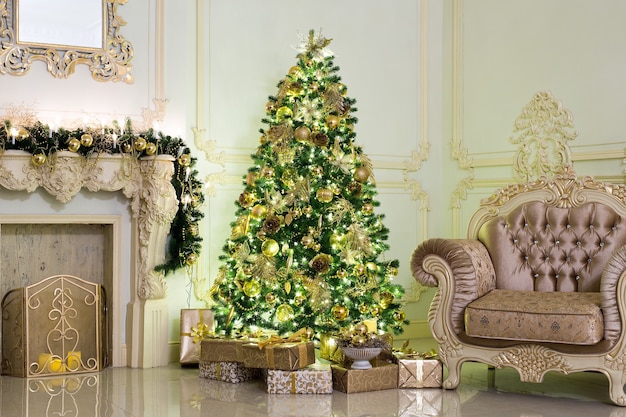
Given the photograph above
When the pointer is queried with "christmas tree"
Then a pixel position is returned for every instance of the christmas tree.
(307, 246)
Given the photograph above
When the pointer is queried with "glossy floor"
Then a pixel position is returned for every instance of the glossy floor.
(173, 391)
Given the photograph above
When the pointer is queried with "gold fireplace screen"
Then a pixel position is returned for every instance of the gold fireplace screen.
(56, 326)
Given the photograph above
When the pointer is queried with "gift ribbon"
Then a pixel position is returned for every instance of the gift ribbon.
(218, 372)
(270, 356)
(200, 332)
(273, 339)
(293, 382)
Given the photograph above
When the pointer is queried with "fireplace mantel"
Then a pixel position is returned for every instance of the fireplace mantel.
(153, 204)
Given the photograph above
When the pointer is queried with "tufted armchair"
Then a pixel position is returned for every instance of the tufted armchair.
(538, 285)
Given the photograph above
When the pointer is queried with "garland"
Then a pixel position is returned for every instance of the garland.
(42, 143)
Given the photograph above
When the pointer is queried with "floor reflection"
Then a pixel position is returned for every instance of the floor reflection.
(173, 391)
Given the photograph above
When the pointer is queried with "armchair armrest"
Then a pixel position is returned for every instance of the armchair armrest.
(612, 283)
(462, 269)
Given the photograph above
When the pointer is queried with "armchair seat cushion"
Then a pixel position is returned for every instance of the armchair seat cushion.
(531, 316)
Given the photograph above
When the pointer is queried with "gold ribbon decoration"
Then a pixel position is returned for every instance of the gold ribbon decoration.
(298, 336)
(200, 332)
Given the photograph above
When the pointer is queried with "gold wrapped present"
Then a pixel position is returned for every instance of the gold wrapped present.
(233, 372)
(195, 324)
(314, 379)
(284, 356)
(222, 349)
(423, 402)
(381, 376)
(419, 370)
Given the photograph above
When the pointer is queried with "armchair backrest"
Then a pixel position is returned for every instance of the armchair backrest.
(552, 235)
(539, 247)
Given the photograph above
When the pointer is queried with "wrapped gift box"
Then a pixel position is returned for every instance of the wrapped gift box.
(233, 372)
(222, 350)
(284, 356)
(314, 379)
(423, 402)
(192, 320)
(381, 376)
(414, 371)
(300, 405)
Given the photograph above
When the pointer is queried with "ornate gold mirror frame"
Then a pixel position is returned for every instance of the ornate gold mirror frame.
(109, 63)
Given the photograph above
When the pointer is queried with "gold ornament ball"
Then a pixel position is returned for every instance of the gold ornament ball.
(307, 210)
(296, 71)
(299, 300)
(86, 140)
(363, 309)
(339, 312)
(270, 247)
(247, 269)
(359, 269)
(325, 195)
(193, 230)
(361, 174)
(294, 89)
(252, 288)
(126, 147)
(283, 113)
(258, 211)
(399, 315)
(270, 107)
(317, 171)
(268, 172)
(392, 270)
(358, 340)
(270, 298)
(371, 266)
(184, 159)
(140, 144)
(376, 310)
(386, 298)
(38, 159)
(250, 178)
(151, 148)
(332, 121)
(302, 133)
(306, 241)
(367, 209)
(73, 145)
(360, 328)
(342, 273)
(284, 313)
(22, 134)
(191, 259)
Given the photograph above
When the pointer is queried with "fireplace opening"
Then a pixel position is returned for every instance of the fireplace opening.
(33, 252)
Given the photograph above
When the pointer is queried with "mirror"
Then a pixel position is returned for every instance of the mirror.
(63, 33)
(48, 22)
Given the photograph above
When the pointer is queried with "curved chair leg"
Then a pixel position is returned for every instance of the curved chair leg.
(616, 388)
(454, 373)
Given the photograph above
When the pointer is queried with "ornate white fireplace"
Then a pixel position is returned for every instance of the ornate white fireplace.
(151, 198)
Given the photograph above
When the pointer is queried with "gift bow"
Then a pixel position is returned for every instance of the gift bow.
(273, 339)
(409, 353)
(200, 332)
